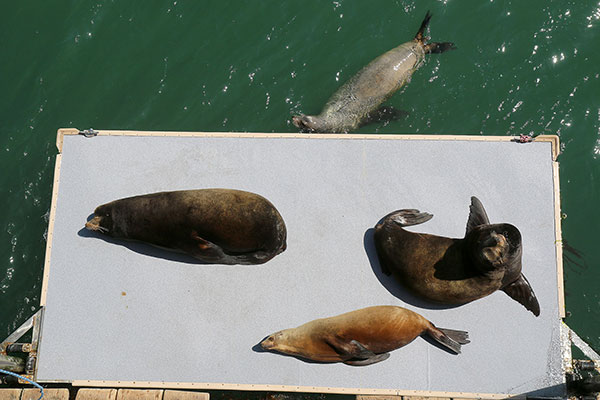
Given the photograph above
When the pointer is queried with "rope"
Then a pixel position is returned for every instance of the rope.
(25, 379)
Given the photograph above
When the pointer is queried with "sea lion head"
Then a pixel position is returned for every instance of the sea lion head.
(102, 220)
(278, 341)
(496, 246)
(307, 123)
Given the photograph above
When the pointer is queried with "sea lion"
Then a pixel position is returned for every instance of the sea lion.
(454, 271)
(360, 337)
(358, 100)
(219, 226)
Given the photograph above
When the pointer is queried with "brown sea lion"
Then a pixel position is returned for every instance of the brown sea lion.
(220, 226)
(360, 337)
(358, 100)
(454, 271)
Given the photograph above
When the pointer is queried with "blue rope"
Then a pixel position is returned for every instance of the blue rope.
(25, 379)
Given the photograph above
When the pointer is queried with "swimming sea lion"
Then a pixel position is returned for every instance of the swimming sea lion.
(454, 271)
(357, 101)
(220, 226)
(360, 337)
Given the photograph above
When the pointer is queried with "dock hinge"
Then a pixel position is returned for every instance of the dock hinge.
(26, 364)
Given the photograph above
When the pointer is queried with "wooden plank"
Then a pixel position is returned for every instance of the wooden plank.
(11, 394)
(96, 394)
(184, 395)
(50, 233)
(559, 243)
(370, 136)
(139, 394)
(49, 394)
(424, 398)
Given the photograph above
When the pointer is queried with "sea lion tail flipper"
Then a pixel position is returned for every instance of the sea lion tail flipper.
(419, 36)
(477, 214)
(449, 338)
(438, 47)
(409, 217)
(521, 291)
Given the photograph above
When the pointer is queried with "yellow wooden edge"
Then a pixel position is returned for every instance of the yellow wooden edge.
(559, 246)
(285, 388)
(61, 133)
(73, 131)
(308, 389)
(554, 140)
(50, 233)
(541, 138)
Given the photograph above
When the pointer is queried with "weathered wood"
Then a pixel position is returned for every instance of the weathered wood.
(49, 394)
(184, 395)
(139, 394)
(377, 397)
(10, 394)
(96, 394)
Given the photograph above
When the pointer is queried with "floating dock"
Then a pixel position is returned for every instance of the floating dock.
(119, 314)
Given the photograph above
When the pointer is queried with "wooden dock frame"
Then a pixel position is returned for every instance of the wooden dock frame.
(362, 394)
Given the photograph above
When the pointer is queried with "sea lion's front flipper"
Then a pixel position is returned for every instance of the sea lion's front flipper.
(363, 356)
(207, 250)
(371, 360)
(521, 291)
(438, 47)
(477, 214)
(384, 114)
(354, 352)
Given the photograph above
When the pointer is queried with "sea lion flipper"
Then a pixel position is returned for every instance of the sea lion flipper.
(521, 291)
(371, 360)
(409, 217)
(438, 47)
(477, 214)
(352, 349)
(384, 114)
(207, 250)
(449, 338)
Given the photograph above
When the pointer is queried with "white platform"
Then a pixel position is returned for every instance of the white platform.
(128, 312)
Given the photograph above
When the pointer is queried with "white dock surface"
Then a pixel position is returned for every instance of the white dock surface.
(118, 311)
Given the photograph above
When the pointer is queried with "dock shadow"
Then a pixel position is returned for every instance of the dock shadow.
(390, 283)
(141, 248)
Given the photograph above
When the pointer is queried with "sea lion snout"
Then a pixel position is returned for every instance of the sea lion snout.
(495, 248)
(94, 224)
(271, 341)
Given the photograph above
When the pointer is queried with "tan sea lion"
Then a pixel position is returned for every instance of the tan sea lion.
(454, 271)
(358, 100)
(220, 226)
(360, 337)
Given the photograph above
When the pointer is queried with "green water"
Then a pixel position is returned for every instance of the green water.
(521, 67)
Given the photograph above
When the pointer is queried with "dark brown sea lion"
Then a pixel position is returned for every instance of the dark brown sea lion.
(360, 337)
(220, 226)
(358, 100)
(454, 271)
